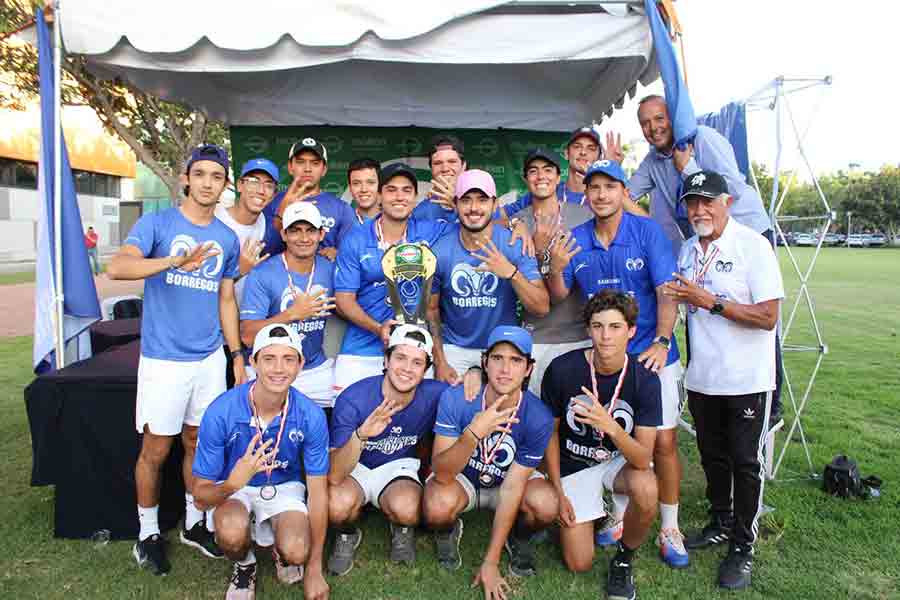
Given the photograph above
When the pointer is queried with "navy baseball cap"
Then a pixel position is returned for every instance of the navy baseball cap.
(395, 169)
(708, 184)
(607, 167)
(585, 131)
(516, 336)
(542, 153)
(260, 164)
(311, 144)
(211, 152)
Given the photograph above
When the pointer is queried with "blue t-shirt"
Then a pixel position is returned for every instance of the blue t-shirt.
(358, 270)
(266, 294)
(639, 260)
(524, 201)
(406, 429)
(526, 443)
(474, 302)
(428, 210)
(338, 218)
(228, 426)
(181, 308)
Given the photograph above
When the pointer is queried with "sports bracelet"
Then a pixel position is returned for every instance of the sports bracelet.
(510, 278)
(475, 435)
(359, 437)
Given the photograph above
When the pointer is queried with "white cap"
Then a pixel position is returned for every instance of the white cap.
(401, 336)
(265, 338)
(302, 211)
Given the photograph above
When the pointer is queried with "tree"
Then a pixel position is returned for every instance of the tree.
(160, 133)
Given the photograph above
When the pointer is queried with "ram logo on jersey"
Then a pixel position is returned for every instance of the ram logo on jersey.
(206, 277)
(473, 288)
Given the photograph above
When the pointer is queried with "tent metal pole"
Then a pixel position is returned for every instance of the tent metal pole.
(57, 190)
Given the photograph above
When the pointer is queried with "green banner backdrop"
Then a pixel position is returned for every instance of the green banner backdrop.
(498, 151)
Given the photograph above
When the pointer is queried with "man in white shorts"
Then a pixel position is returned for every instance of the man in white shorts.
(379, 425)
(296, 288)
(189, 261)
(485, 454)
(622, 251)
(606, 407)
(251, 442)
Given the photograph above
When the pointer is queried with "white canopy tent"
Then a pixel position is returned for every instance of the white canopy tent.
(546, 66)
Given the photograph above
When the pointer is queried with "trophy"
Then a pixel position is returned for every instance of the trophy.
(408, 269)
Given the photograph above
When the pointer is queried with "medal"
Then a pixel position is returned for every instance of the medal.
(486, 479)
(615, 396)
(268, 491)
(488, 452)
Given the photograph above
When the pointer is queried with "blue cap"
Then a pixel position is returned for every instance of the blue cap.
(261, 164)
(610, 168)
(516, 336)
(211, 152)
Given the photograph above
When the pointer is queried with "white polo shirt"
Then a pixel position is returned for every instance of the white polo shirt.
(727, 358)
(256, 231)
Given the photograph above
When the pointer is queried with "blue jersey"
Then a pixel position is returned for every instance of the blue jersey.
(638, 260)
(338, 218)
(406, 429)
(563, 194)
(474, 302)
(428, 210)
(228, 426)
(181, 308)
(358, 270)
(267, 293)
(526, 443)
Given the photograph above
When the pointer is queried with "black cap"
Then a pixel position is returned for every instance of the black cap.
(536, 153)
(311, 144)
(708, 184)
(395, 169)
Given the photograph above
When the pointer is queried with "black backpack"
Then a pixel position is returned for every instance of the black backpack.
(842, 479)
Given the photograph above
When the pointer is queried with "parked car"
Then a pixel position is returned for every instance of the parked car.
(805, 239)
(877, 239)
(858, 240)
(834, 239)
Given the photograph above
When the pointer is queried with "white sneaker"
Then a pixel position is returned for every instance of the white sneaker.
(671, 548)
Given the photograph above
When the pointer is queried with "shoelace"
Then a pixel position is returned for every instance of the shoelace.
(620, 571)
(243, 576)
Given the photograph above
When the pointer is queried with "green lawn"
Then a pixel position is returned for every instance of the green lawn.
(812, 547)
(20, 277)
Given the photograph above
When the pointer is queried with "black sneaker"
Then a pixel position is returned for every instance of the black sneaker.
(521, 556)
(717, 531)
(200, 538)
(403, 544)
(243, 583)
(345, 544)
(619, 580)
(734, 572)
(447, 543)
(150, 554)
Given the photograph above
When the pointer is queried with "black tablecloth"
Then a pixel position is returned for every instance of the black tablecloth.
(110, 334)
(84, 442)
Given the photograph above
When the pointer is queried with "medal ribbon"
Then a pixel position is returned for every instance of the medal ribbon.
(487, 453)
(699, 273)
(312, 273)
(616, 392)
(270, 464)
(379, 234)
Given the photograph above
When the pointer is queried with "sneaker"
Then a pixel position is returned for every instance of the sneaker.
(287, 574)
(620, 581)
(734, 572)
(717, 531)
(671, 548)
(403, 544)
(610, 534)
(200, 538)
(341, 560)
(448, 547)
(521, 556)
(243, 583)
(150, 554)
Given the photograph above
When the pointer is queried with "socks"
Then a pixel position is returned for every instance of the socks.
(149, 521)
(668, 515)
(624, 554)
(620, 504)
(249, 559)
(192, 516)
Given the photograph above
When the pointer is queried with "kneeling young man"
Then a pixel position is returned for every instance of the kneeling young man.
(485, 454)
(377, 425)
(606, 407)
(247, 466)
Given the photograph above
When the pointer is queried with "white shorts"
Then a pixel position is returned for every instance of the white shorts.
(670, 382)
(348, 369)
(316, 383)
(290, 495)
(585, 488)
(483, 498)
(543, 355)
(373, 481)
(461, 359)
(172, 394)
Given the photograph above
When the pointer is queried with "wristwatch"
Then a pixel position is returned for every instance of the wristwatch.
(663, 341)
(235, 353)
(717, 308)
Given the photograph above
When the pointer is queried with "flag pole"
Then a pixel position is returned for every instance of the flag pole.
(57, 190)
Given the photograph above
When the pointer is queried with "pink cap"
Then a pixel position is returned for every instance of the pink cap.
(475, 179)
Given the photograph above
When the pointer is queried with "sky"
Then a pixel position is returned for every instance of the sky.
(733, 49)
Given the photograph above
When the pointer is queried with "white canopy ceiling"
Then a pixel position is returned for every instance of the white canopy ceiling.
(467, 64)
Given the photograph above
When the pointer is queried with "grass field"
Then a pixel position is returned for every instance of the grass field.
(19, 277)
(812, 546)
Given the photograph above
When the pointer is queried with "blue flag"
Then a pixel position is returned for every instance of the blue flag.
(81, 306)
(678, 102)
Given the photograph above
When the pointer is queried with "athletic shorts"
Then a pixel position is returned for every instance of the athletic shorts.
(172, 394)
(316, 383)
(374, 481)
(480, 497)
(461, 359)
(670, 382)
(290, 495)
(348, 369)
(543, 355)
(586, 487)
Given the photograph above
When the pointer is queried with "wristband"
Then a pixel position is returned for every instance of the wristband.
(510, 278)
(235, 353)
(475, 435)
(359, 437)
